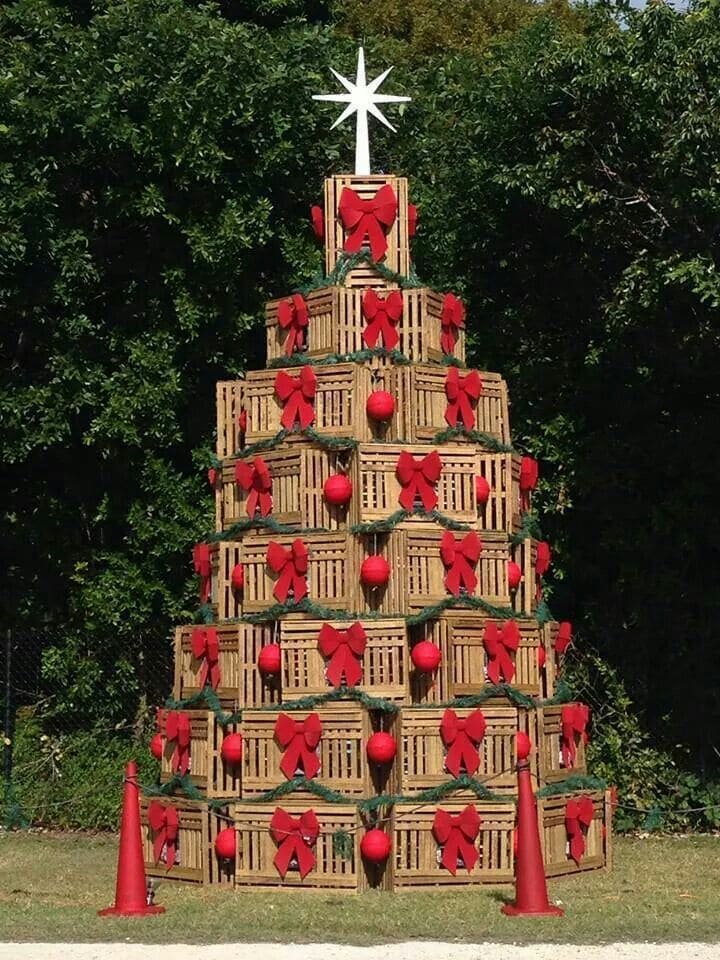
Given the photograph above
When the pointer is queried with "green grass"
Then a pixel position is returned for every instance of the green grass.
(660, 889)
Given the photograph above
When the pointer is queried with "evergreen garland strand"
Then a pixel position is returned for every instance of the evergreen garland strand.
(529, 529)
(573, 783)
(389, 523)
(347, 262)
(205, 698)
(477, 436)
(357, 356)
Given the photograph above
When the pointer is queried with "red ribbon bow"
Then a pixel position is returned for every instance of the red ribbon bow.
(299, 740)
(291, 563)
(344, 648)
(201, 564)
(578, 817)
(528, 480)
(295, 836)
(382, 316)
(293, 317)
(462, 737)
(452, 319)
(460, 558)
(574, 718)
(257, 480)
(370, 218)
(418, 479)
(318, 221)
(542, 565)
(564, 637)
(462, 393)
(458, 835)
(205, 647)
(499, 644)
(297, 395)
(177, 728)
(164, 823)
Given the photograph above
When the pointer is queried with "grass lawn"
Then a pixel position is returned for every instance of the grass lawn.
(659, 889)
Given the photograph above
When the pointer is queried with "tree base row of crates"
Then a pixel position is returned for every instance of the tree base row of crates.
(307, 844)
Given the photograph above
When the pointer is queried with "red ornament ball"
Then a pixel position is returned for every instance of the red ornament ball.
(426, 656)
(375, 571)
(232, 749)
(523, 746)
(212, 476)
(157, 744)
(381, 748)
(237, 577)
(269, 659)
(514, 575)
(375, 846)
(482, 490)
(225, 844)
(338, 489)
(380, 405)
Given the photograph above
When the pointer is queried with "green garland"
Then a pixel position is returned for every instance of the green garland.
(433, 611)
(347, 262)
(332, 696)
(571, 784)
(529, 529)
(358, 356)
(321, 439)
(264, 523)
(484, 439)
(205, 698)
(389, 523)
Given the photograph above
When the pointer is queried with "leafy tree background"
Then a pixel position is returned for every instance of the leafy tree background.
(157, 161)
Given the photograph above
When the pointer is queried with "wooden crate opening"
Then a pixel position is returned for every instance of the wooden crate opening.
(388, 599)
(502, 510)
(185, 858)
(549, 743)
(191, 670)
(229, 406)
(555, 839)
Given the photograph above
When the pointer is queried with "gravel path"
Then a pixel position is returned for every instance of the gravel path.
(422, 950)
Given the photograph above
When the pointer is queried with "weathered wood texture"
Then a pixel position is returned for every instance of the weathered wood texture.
(229, 404)
(190, 846)
(208, 772)
(553, 833)
(548, 738)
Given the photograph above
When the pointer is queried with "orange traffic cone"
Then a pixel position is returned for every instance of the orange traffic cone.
(131, 886)
(531, 898)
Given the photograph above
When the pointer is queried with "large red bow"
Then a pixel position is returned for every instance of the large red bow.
(578, 817)
(257, 480)
(462, 393)
(528, 480)
(293, 317)
(164, 823)
(418, 479)
(564, 637)
(367, 218)
(177, 728)
(344, 649)
(205, 647)
(574, 718)
(299, 740)
(295, 837)
(382, 316)
(452, 319)
(542, 564)
(291, 563)
(460, 558)
(202, 567)
(498, 646)
(458, 835)
(462, 737)
(297, 395)
(317, 219)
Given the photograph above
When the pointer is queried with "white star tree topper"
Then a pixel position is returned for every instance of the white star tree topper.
(361, 99)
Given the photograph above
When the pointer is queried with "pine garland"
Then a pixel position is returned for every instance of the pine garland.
(205, 698)
(357, 356)
(340, 693)
(431, 795)
(347, 262)
(321, 439)
(573, 783)
(389, 523)
(484, 439)
(529, 528)
(433, 611)
(264, 523)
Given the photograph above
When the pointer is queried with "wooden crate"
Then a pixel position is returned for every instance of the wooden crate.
(424, 753)
(462, 636)
(548, 740)
(219, 871)
(426, 403)
(226, 602)
(229, 403)
(553, 832)
(346, 727)
(191, 844)
(416, 851)
(524, 554)
(502, 510)
(397, 256)
(390, 599)
(385, 662)
(208, 772)
(551, 674)
(377, 489)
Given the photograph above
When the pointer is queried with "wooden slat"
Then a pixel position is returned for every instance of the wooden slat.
(192, 841)
(554, 837)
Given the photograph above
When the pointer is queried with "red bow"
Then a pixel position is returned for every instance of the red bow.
(367, 218)
(293, 316)
(177, 728)
(418, 478)
(452, 319)
(295, 837)
(291, 564)
(574, 718)
(460, 558)
(383, 317)
(296, 395)
(164, 823)
(412, 219)
(458, 834)
(498, 646)
(299, 740)
(462, 393)
(201, 564)
(578, 817)
(564, 637)
(542, 565)
(205, 646)
(257, 480)
(463, 738)
(344, 648)
(528, 480)
(318, 221)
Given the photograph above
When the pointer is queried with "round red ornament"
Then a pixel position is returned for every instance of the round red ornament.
(269, 659)
(375, 571)
(237, 577)
(514, 575)
(232, 749)
(375, 846)
(338, 489)
(380, 405)
(523, 745)
(225, 844)
(482, 490)
(157, 745)
(426, 656)
(381, 748)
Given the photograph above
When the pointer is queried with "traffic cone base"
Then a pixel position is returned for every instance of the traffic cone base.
(131, 911)
(510, 910)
